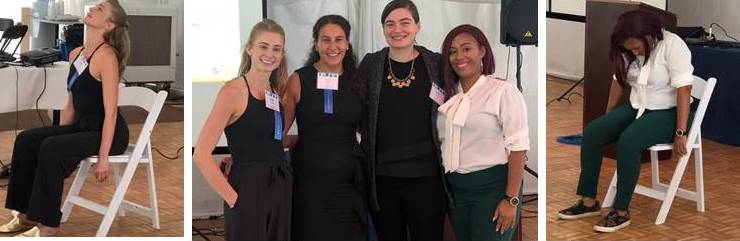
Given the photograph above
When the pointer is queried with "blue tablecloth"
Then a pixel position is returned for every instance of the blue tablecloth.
(722, 120)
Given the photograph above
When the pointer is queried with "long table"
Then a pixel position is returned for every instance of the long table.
(21, 87)
(722, 120)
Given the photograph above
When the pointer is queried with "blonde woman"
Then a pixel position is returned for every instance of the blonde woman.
(257, 191)
(90, 125)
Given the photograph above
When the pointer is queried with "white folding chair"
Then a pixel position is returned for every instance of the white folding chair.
(140, 152)
(701, 90)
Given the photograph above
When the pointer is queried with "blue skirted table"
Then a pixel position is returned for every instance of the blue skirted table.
(722, 120)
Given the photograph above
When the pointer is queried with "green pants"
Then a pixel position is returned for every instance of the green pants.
(476, 196)
(632, 137)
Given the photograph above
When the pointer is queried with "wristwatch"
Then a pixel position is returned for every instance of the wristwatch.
(513, 201)
(680, 132)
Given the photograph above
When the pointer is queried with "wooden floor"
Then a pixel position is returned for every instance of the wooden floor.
(720, 221)
(213, 228)
(167, 137)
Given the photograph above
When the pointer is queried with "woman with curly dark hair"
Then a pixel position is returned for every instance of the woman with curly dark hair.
(324, 97)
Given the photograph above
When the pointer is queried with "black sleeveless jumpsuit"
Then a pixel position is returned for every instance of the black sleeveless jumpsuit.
(43, 157)
(261, 176)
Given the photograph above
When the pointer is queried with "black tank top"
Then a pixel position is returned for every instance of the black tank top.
(87, 96)
(251, 137)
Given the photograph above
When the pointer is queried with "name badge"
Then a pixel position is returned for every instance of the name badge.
(437, 94)
(272, 101)
(327, 81)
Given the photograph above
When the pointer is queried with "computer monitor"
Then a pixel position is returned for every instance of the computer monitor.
(153, 32)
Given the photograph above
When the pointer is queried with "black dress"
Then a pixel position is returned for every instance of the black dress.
(261, 176)
(329, 195)
(43, 157)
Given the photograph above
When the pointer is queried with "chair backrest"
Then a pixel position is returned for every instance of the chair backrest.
(5, 23)
(697, 87)
(701, 90)
(147, 100)
(11, 33)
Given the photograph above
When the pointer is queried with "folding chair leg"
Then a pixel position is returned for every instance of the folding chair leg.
(611, 192)
(654, 169)
(74, 190)
(699, 179)
(672, 188)
(117, 174)
(153, 195)
(115, 202)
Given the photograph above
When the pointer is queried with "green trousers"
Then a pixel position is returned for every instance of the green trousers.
(476, 195)
(632, 137)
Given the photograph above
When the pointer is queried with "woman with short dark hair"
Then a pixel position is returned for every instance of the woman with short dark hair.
(404, 89)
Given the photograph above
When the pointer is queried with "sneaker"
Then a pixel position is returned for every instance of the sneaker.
(612, 222)
(579, 210)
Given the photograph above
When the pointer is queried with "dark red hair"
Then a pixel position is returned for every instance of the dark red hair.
(448, 75)
(633, 24)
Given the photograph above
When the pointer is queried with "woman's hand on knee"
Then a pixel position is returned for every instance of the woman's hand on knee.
(504, 216)
(102, 169)
(679, 145)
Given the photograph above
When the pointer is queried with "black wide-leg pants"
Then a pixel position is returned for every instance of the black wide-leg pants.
(43, 157)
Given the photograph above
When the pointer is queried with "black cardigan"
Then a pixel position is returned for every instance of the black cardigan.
(371, 73)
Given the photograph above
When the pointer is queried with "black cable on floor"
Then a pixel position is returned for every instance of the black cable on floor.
(177, 153)
(39, 98)
(196, 231)
(17, 115)
(566, 99)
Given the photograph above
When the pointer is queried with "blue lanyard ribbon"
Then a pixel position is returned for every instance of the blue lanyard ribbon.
(72, 80)
(278, 126)
(328, 101)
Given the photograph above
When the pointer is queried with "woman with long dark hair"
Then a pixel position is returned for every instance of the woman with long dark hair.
(324, 98)
(484, 134)
(90, 125)
(407, 192)
(655, 66)
(257, 191)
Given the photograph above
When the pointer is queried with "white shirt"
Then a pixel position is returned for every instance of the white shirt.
(668, 68)
(477, 129)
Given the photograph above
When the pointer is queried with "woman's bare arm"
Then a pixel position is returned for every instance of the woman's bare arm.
(222, 113)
